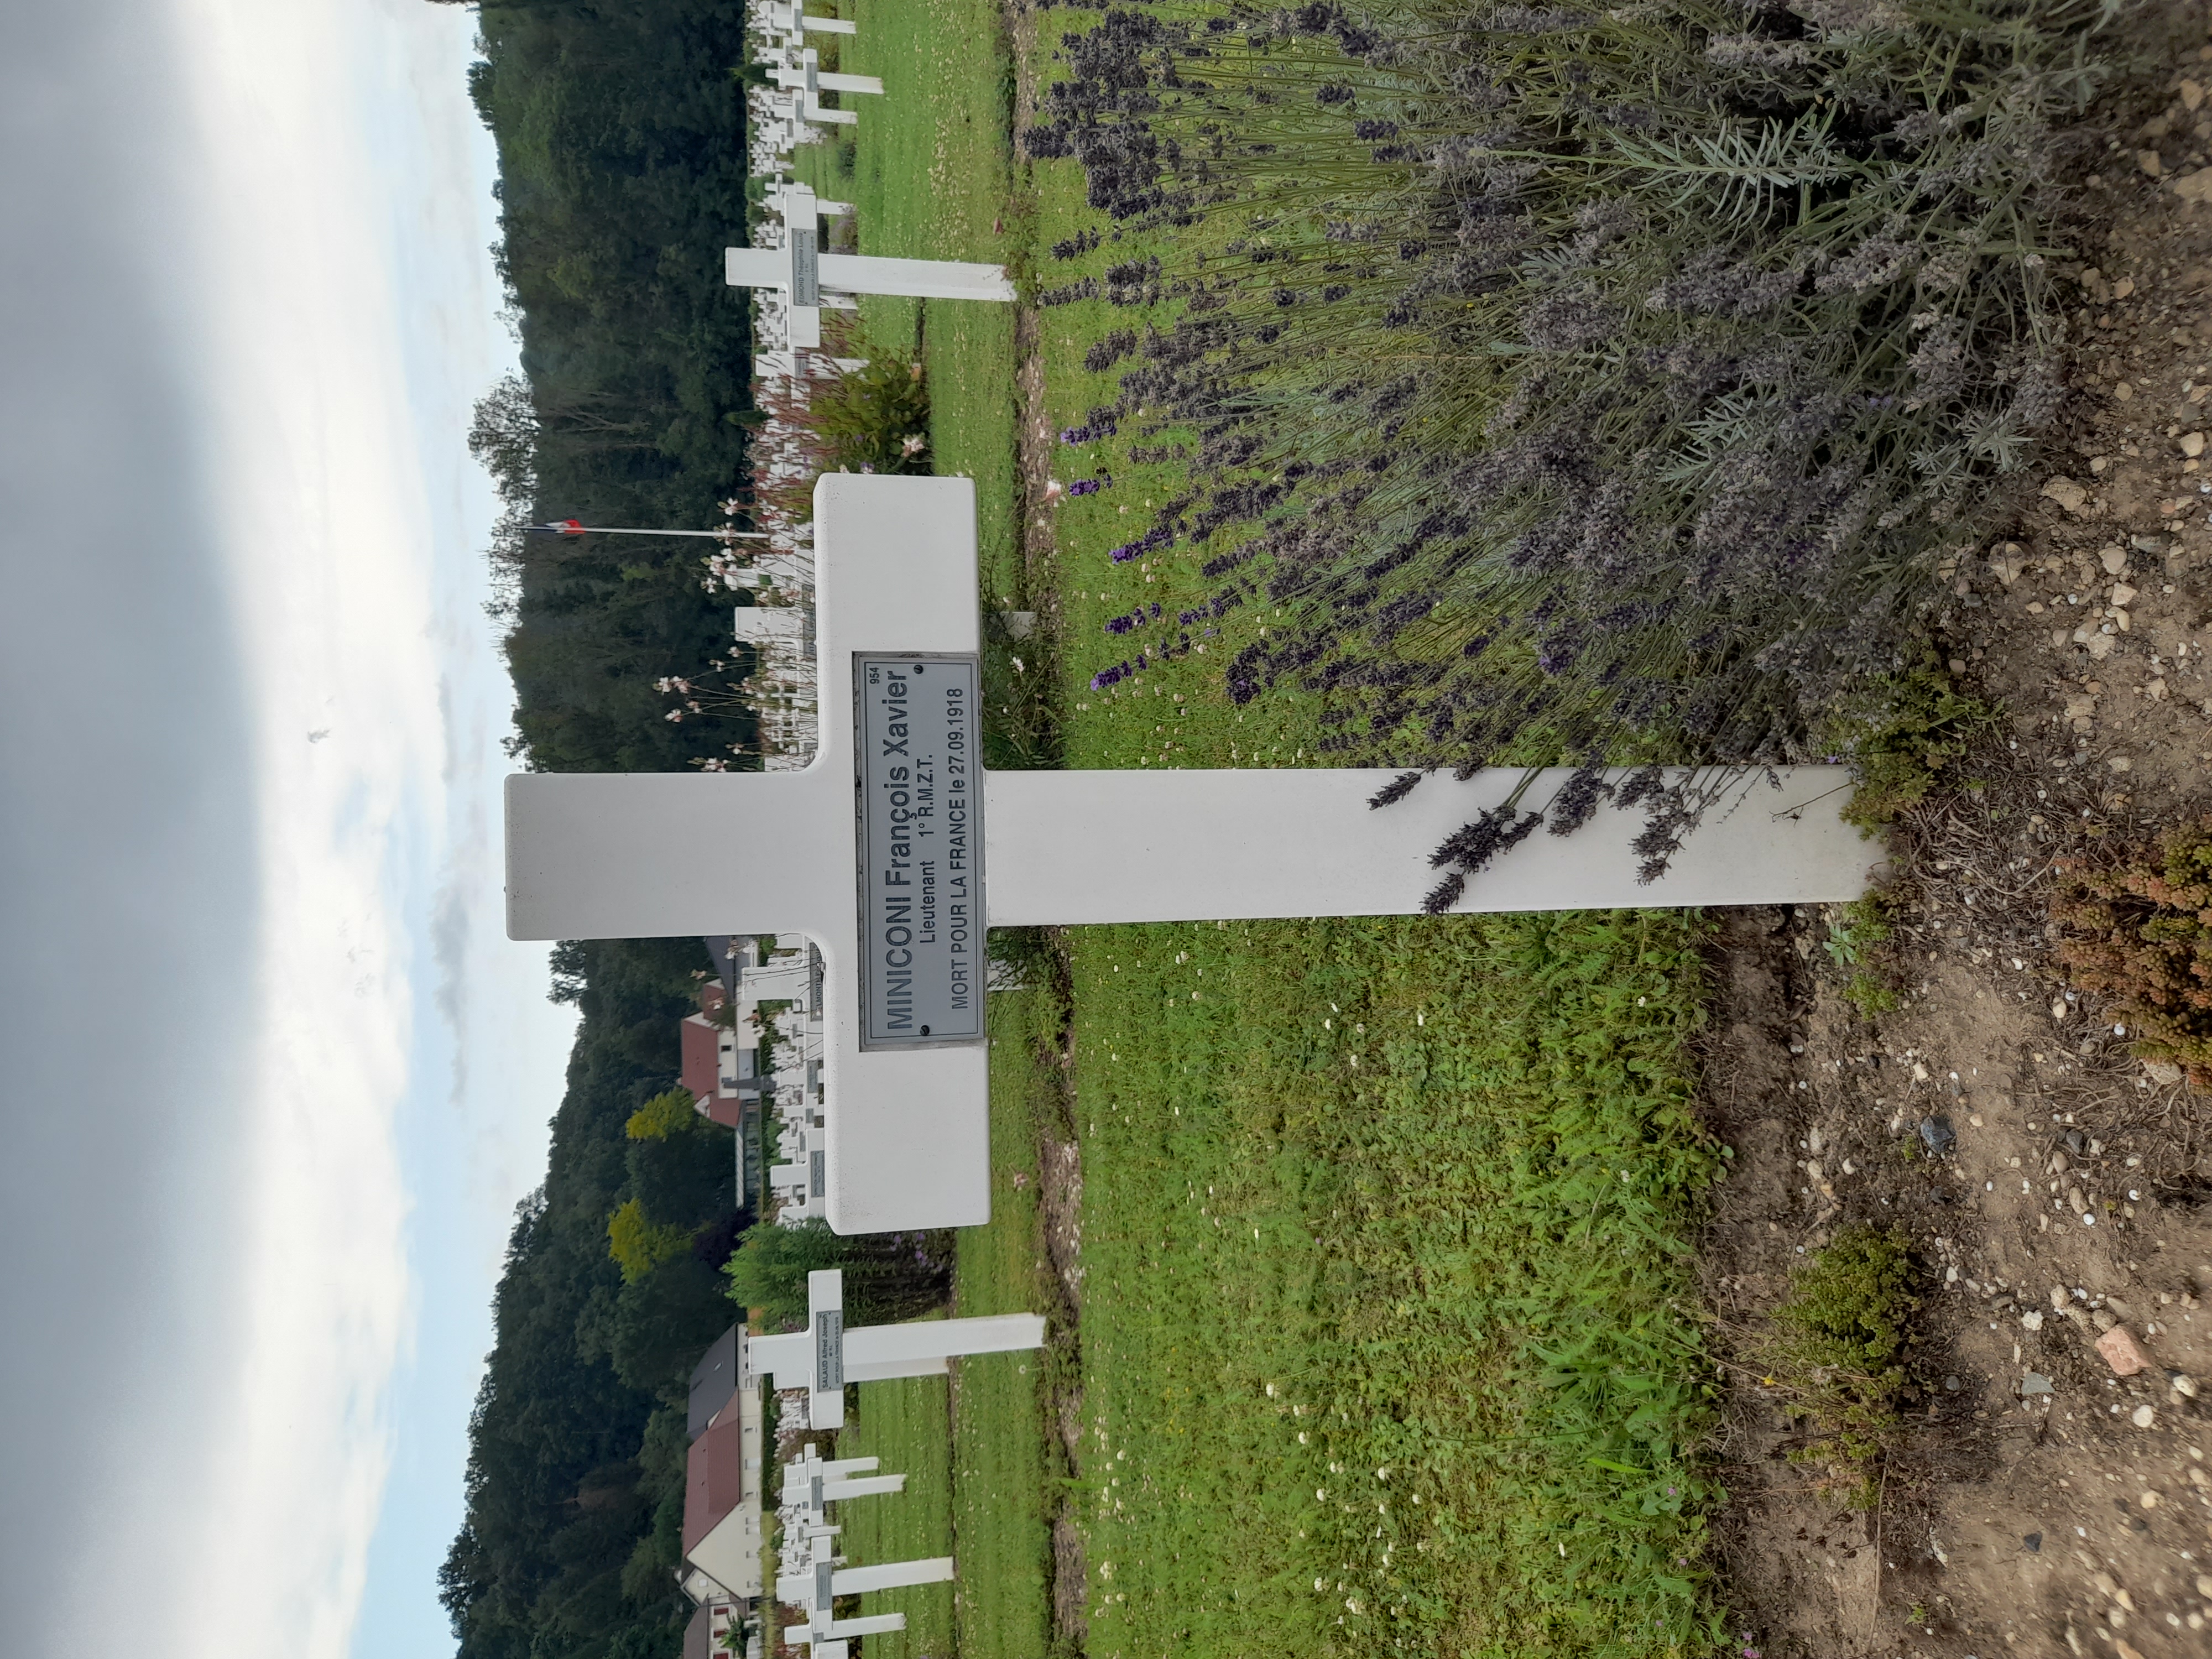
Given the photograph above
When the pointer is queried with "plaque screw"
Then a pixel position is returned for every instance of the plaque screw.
(925, 1030)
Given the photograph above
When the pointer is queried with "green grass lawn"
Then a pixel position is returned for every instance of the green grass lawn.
(1383, 1244)
(929, 179)
(1383, 1339)
(971, 1446)
(907, 1425)
(1000, 1517)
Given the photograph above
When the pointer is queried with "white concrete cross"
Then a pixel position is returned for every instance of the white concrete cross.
(808, 76)
(789, 19)
(825, 1356)
(811, 1481)
(809, 279)
(601, 855)
(811, 1575)
(805, 80)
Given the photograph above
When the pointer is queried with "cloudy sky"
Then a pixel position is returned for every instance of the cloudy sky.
(273, 1081)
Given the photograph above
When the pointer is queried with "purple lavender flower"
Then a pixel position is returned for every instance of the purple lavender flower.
(1394, 790)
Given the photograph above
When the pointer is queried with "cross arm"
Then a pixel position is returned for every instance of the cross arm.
(1190, 845)
(656, 855)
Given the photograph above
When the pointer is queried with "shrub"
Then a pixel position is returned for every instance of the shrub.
(1844, 1329)
(875, 418)
(2141, 934)
(888, 1276)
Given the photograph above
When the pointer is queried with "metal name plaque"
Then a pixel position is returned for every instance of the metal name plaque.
(806, 267)
(920, 784)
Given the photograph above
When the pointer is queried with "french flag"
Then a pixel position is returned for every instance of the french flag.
(558, 527)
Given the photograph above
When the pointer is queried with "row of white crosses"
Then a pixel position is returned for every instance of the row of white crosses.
(781, 121)
(821, 1361)
(782, 689)
(811, 1571)
(790, 976)
(796, 67)
(800, 1182)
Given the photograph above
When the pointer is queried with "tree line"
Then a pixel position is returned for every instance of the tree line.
(620, 127)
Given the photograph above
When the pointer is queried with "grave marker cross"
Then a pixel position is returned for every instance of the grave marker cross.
(826, 1355)
(887, 882)
(809, 279)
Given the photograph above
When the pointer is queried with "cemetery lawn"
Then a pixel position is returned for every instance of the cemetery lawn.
(971, 1446)
(907, 1424)
(1385, 1253)
(929, 177)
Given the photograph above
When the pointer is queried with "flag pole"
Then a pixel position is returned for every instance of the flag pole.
(572, 528)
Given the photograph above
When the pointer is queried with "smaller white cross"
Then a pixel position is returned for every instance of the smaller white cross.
(809, 1482)
(825, 1356)
(808, 76)
(809, 279)
(810, 1574)
(791, 20)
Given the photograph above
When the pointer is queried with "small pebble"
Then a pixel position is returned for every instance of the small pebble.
(2142, 1417)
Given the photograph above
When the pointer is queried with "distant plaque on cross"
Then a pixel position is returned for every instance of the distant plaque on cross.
(895, 850)
(810, 279)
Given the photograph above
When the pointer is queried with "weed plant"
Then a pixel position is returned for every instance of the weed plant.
(1905, 730)
(2140, 933)
(1844, 1329)
(1604, 385)
(1857, 933)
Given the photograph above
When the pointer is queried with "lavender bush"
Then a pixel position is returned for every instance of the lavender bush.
(1603, 384)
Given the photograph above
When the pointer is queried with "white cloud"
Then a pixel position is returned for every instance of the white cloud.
(298, 276)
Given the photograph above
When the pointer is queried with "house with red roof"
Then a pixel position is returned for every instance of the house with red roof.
(718, 1059)
(723, 1529)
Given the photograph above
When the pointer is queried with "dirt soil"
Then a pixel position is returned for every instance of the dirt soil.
(2049, 1488)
